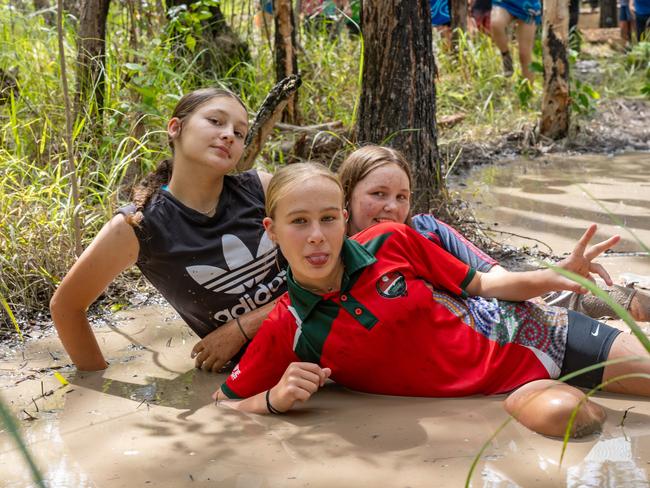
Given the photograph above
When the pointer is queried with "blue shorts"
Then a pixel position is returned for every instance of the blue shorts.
(624, 14)
(528, 11)
(440, 12)
(267, 6)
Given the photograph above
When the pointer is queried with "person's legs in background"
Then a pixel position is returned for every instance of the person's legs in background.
(525, 40)
(642, 26)
(625, 23)
(500, 18)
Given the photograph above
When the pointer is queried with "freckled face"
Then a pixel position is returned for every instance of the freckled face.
(212, 135)
(382, 196)
(310, 231)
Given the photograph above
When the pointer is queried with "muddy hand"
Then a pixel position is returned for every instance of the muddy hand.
(217, 348)
(580, 260)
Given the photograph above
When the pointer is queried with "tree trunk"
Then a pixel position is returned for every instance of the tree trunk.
(556, 100)
(225, 39)
(574, 13)
(219, 46)
(286, 62)
(91, 50)
(458, 14)
(608, 13)
(398, 93)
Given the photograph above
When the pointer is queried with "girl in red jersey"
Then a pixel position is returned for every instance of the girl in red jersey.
(358, 310)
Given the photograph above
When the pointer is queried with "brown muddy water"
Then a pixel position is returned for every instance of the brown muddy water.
(549, 202)
(148, 419)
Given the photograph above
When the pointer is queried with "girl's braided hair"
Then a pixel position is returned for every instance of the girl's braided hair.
(151, 183)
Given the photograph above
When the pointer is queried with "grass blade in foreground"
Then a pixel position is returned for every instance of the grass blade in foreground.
(9, 422)
(622, 313)
(5, 305)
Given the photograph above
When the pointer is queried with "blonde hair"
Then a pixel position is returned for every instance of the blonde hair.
(289, 177)
(365, 160)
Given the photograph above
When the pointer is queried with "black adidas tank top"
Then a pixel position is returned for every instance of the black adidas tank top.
(211, 269)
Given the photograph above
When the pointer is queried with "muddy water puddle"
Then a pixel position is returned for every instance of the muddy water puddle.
(148, 420)
(548, 202)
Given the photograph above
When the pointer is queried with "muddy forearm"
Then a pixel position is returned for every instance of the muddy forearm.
(78, 340)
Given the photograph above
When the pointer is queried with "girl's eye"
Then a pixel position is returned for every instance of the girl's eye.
(328, 218)
(239, 135)
(402, 198)
(379, 194)
(299, 221)
(215, 121)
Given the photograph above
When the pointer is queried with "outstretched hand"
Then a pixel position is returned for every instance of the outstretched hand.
(580, 259)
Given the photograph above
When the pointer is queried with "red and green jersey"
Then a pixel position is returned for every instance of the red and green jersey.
(386, 332)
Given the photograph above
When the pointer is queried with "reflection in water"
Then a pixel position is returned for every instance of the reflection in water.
(554, 199)
(609, 463)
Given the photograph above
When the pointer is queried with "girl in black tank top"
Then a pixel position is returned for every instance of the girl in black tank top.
(196, 234)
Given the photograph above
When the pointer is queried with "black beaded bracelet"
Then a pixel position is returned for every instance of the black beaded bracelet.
(270, 407)
(248, 339)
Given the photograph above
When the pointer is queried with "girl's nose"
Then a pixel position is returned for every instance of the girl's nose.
(315, 234)
(228, 133)
(390, 205)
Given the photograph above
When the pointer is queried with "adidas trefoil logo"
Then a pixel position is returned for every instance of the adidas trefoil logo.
(245, 270)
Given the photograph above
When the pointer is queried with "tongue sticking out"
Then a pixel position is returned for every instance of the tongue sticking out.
(317, 259)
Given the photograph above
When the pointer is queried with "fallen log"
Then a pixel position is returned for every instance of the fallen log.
(267, 117)
(329, 126)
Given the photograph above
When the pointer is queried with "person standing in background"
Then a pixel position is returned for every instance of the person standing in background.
(527, 14)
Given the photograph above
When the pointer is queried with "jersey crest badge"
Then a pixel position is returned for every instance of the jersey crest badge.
(392, 285)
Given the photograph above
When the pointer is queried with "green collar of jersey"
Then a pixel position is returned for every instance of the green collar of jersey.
(355, 257)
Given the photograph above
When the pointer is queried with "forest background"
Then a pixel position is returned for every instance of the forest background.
(68, 161)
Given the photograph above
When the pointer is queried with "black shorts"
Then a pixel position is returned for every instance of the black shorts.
(588, 342)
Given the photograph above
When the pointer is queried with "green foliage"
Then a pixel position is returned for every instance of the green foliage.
(471, 81)
(185, 21)
(524, 91)
(583, 97)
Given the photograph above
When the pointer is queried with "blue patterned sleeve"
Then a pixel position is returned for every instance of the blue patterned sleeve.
(453, 242)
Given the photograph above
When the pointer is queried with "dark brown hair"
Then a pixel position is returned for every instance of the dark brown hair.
(152, 182)
(363, 161)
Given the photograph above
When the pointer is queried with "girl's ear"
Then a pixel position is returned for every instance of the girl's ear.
(174, 127)
(346, 214)
(268, 226)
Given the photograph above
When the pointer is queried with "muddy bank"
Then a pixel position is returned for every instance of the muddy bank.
(616, 126)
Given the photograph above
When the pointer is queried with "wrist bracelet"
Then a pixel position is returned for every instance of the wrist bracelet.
(248, 339)
(270, 407)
